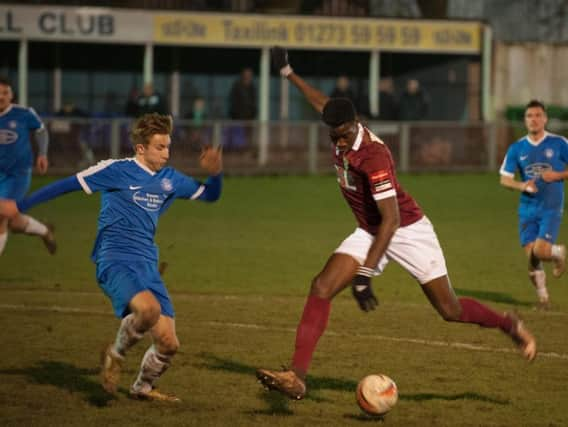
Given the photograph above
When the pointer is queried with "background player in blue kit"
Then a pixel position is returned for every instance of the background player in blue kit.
(541, 159)
(19, 125)
(135, 192)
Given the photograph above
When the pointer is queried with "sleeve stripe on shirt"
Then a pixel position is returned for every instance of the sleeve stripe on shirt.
(84, 185)
(31, 110)
(385, 195)
(90, 171)
(504, 172)
(198, 193)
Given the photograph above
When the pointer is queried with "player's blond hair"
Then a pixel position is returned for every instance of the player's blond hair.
(148, 125)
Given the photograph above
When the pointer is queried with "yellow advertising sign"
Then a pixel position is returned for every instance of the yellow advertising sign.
(317, 33)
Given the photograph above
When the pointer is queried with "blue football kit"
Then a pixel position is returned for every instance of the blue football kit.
(16, 156)
(133, 198)
(540, 213)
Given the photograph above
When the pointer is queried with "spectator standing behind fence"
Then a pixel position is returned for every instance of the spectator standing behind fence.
(131, 106)
(150, 101)
(413, 102)
(74, 132)
(243, 98)
(198, 135)
(388, 102)
(343, 89)
(242, 106)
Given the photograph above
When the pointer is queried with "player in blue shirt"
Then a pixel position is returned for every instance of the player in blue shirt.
(135, 192)
(541, 159)
(19, 125)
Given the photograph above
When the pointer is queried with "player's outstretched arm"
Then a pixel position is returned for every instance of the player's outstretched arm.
(51, 191)
(280, 62)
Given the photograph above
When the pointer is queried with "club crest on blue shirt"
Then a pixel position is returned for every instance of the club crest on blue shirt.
(166, 184)
(549, 153)
(12, 124)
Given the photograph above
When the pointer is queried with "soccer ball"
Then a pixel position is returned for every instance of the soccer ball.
(376, 394)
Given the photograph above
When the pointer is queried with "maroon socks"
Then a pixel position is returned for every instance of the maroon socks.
(311, 328)
(475, 312)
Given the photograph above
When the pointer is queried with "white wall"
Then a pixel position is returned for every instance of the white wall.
(529, 70)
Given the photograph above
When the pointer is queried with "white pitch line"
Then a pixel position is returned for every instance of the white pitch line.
(255, 326)
(463, 346)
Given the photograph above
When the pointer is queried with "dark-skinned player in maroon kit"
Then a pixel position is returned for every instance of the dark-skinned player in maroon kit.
(390, 226)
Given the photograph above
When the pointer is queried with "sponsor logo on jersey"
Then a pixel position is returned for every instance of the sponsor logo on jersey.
(534, 170)
(166, 184)
(379, 175)
(8, 136)
(134, 187)
(523, 158)
(345, 179)
(148, 201)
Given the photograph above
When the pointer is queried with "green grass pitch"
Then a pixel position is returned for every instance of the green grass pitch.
(239, 271)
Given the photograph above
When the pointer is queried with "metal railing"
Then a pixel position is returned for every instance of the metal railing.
(254, 147)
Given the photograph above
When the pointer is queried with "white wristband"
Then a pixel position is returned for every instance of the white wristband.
(286, 71)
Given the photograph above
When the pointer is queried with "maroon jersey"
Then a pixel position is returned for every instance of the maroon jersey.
(366, 174)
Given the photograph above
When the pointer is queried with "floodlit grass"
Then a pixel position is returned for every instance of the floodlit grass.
(239, 271)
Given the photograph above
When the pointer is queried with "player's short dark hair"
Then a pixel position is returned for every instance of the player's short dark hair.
(144, 127)
(337, 111)
(535, 103)
(5, 81)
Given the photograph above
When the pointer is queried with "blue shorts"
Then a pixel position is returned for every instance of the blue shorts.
(539, 224)
(122, 280)
(15, 186)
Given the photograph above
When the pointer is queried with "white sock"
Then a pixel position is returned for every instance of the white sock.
(538, 279)
(126, 336)
(556, 251)
(3, 239)
(153, 365)
(35, 227)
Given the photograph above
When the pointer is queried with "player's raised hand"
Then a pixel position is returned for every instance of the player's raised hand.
(362, 290)
(42, 164)
(280, 60)
(8, 208)
(211, 159)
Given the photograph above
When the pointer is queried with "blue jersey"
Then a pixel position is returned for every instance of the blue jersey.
(531, 160)
(15, 149)
(133, 198)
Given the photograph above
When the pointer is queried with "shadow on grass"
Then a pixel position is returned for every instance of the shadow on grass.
(365, 418)
(279, 404)
(498, 297)
(66, 377)
(419, 397)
